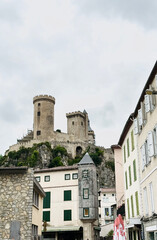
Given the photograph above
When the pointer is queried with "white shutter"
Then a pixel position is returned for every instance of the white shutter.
(155, 139)
(145, 200)
(152, 101)
(143, 156)
(140, 117)
(151, 196)
(150, 144)
(136, 127)
(147, 102)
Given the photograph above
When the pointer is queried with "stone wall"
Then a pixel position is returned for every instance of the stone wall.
(16, 193)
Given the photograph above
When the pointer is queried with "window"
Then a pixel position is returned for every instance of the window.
(85, 212)
(47, 178)
(137, 203)
(67, 215)
(81, 123)
(128, 150)
(38, 114)
(132, 141)
(85, 173)
(67, 176)
(151, 196)
(38, 104)
(72, 122)
(128, 208)
(46, 216)
(112, 194)
(145, 200)
(106, 211)
(37, 178)
(132, 205)
(126, 180)
(124, 154)
(35, 198)
(85, 193)
(99, 203)
(155, 139)
(149, 101)
(47, 199)
(134, 169)
(38, 133)
(67, 195)
(75, 176)
(130, 182)
(34, 230)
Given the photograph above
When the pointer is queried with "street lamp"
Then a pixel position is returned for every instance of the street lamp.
(151, 92)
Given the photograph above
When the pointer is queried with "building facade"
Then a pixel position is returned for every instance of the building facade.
(21, 199)
(70, 209)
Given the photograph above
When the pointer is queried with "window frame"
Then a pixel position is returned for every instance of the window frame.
(67, 195)
(74, 174)
(47, 176)
(38, 178)
(85, 195)
(67, 175)
(85, 215)
(69, 212)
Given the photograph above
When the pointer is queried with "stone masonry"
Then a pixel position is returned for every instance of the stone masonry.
(16, 193)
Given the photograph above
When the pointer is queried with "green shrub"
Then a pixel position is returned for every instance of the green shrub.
(56, 162)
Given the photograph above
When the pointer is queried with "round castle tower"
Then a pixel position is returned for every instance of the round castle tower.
(43, 116)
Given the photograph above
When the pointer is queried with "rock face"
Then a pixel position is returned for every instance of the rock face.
(16, 193)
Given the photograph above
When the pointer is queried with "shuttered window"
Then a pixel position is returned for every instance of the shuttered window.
(155, 139)
(134, 169)
(46, 216)
(147, 103)
(130, 181)
(128, 150)
(151, 196)
(140, 117)
(128, 208)
(132, 141)
(150, 144)
(124, 154)
(137, 203)
(132, 205)
(47, 199)
(67, 195)
(136, 127)
(126, 180)
(67, 215)
(143, 156)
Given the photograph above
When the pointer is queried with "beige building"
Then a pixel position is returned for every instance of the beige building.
(21, 200)
(70, 208)
(79, 133)
(146, 131)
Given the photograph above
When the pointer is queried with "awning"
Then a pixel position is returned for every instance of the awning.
(62, 229)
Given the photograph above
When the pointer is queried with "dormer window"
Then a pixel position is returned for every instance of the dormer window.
(85, 173)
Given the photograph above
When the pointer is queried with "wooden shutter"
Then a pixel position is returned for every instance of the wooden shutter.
(46, 216)
(140, 117)
(137, 203)
(150, 144)
(147, 102)
(47, 199)
(67, 195)
(136, 127)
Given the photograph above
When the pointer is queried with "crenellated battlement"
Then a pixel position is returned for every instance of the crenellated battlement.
(72, 114)
(44, 97)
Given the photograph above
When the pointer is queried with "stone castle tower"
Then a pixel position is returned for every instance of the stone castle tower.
(79, 133)
(43, 116)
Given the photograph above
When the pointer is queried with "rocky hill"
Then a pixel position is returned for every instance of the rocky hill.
(43, 156)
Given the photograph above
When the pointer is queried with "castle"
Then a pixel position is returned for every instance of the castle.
(79, 133)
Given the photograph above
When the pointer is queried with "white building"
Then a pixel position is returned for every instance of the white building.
(70, 209)
(106, 215)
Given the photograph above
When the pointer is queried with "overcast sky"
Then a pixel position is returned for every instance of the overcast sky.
(89, 54)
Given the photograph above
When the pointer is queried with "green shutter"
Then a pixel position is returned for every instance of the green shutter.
(67, 215)
(137, 204)
(128, 151)
(132, 205)
(126, 180)
(130, 182)
(132, 140)
(134, 168)
(128, 208)
(67, 195)
(47, 199)
(124, 154)
(46, 216)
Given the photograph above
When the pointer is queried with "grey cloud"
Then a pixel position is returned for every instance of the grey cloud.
(10, 11)
(141, 11)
